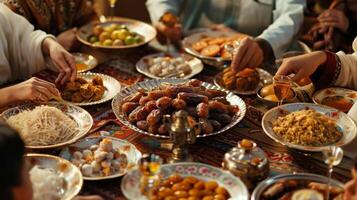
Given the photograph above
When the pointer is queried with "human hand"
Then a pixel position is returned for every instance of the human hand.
(334, 18)
(68, 39)
(302, 66)
(91, 197)
(34, 89)
(173, 33)
(63, 60)
(248, 54)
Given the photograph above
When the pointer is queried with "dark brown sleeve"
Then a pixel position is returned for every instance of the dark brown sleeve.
(327, 73)
(268, 52)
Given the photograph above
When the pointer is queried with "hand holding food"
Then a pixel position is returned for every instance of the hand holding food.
(248, 54)
(82, 90)
(114, 35)
(63, 60)
(169, 27)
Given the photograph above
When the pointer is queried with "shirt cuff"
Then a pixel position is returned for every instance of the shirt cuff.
(326, 74)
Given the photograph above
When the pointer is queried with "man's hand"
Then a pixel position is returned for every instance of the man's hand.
(165, 32)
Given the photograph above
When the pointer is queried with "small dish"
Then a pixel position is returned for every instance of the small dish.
(339, 98)
(84, 62)
(270, 103)
(133, 154)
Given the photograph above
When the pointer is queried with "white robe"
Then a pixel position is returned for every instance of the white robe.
(20, 47)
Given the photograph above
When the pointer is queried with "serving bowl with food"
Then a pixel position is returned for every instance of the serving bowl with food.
(339, 98)
(210, 46)
(53, 178)
(267, 95)
(51, 125)
(101, 158)
(122, 33)
(189, 180)
(308, 127)
(169, 65)
(245, 82)
(84, 62)
(142, 107)
(299, 186)
(90, 89)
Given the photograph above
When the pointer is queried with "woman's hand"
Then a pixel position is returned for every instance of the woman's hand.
(63, 60)
(302, 66)
(248, 54)
(68, 39)
(34, 89)
(334, 18)
(91, 197)
(165, 32)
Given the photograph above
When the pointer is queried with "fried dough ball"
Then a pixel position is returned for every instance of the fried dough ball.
(76, 97)
(97, 80)
(87, 91)
(98, 92)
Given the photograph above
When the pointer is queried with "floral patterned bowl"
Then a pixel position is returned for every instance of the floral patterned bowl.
(236, 188)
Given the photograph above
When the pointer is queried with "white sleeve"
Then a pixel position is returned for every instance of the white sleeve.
(288, 18)
(24, 45)
(157, 8)
(348, 73)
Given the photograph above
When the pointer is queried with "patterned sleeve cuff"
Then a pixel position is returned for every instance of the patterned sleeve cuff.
(327, 73)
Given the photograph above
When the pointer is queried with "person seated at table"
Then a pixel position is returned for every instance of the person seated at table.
(336, 27)
(23, 52)
(15, 183)
(273, 24)
(59, 18)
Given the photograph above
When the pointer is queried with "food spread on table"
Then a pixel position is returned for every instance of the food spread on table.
(307, 127)
(244, 80)
(168, 66)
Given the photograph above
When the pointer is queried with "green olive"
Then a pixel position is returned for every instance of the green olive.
(93, 39)
(129, 40)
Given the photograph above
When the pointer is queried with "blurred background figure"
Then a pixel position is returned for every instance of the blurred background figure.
(330, 24)
(273, 24)
(60, 18)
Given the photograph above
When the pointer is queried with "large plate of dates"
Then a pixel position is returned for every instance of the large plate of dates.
(142, 107)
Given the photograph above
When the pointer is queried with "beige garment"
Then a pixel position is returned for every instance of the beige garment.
(20, 47)
(348, 74)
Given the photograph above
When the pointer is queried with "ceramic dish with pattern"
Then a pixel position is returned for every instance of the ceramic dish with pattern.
(339, 98)
(118, 101)
(294, 183)
(265, 79)
(145, 30)
(195, 66)
(82, 118)
(111, 85)
(132, 154)
(236, 189)
(70, 174)
(84, 62)
(344, 124)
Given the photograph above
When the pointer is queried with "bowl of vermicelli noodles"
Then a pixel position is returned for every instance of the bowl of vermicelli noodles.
(51, 125)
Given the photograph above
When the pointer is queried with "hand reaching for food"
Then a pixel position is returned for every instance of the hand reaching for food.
(62, 60)
(248, 54)
(169, 27)
(68, 39)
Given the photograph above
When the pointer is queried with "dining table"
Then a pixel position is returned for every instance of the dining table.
(209, 150)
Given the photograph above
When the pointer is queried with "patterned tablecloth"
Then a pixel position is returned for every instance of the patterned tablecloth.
(206, 150)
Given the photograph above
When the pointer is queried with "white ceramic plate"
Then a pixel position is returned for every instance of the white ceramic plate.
(79, 115)
(237, 190)
(133, 154)
(112, 87)
(89, 61)
(265, 79)
(152, 84)
(66, 170)
(343, 121)
(144, 29)
(349, 95)
(194, 63)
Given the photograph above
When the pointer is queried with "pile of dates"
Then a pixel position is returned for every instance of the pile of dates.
(207, 108)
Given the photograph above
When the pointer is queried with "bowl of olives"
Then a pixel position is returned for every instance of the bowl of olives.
(121, 33)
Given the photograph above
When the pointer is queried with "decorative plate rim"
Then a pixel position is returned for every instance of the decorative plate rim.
(141, 64)
(87, 55)
(77, 171)
(133, 147)
(111, 94)
(276, 138)
(155, 82)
